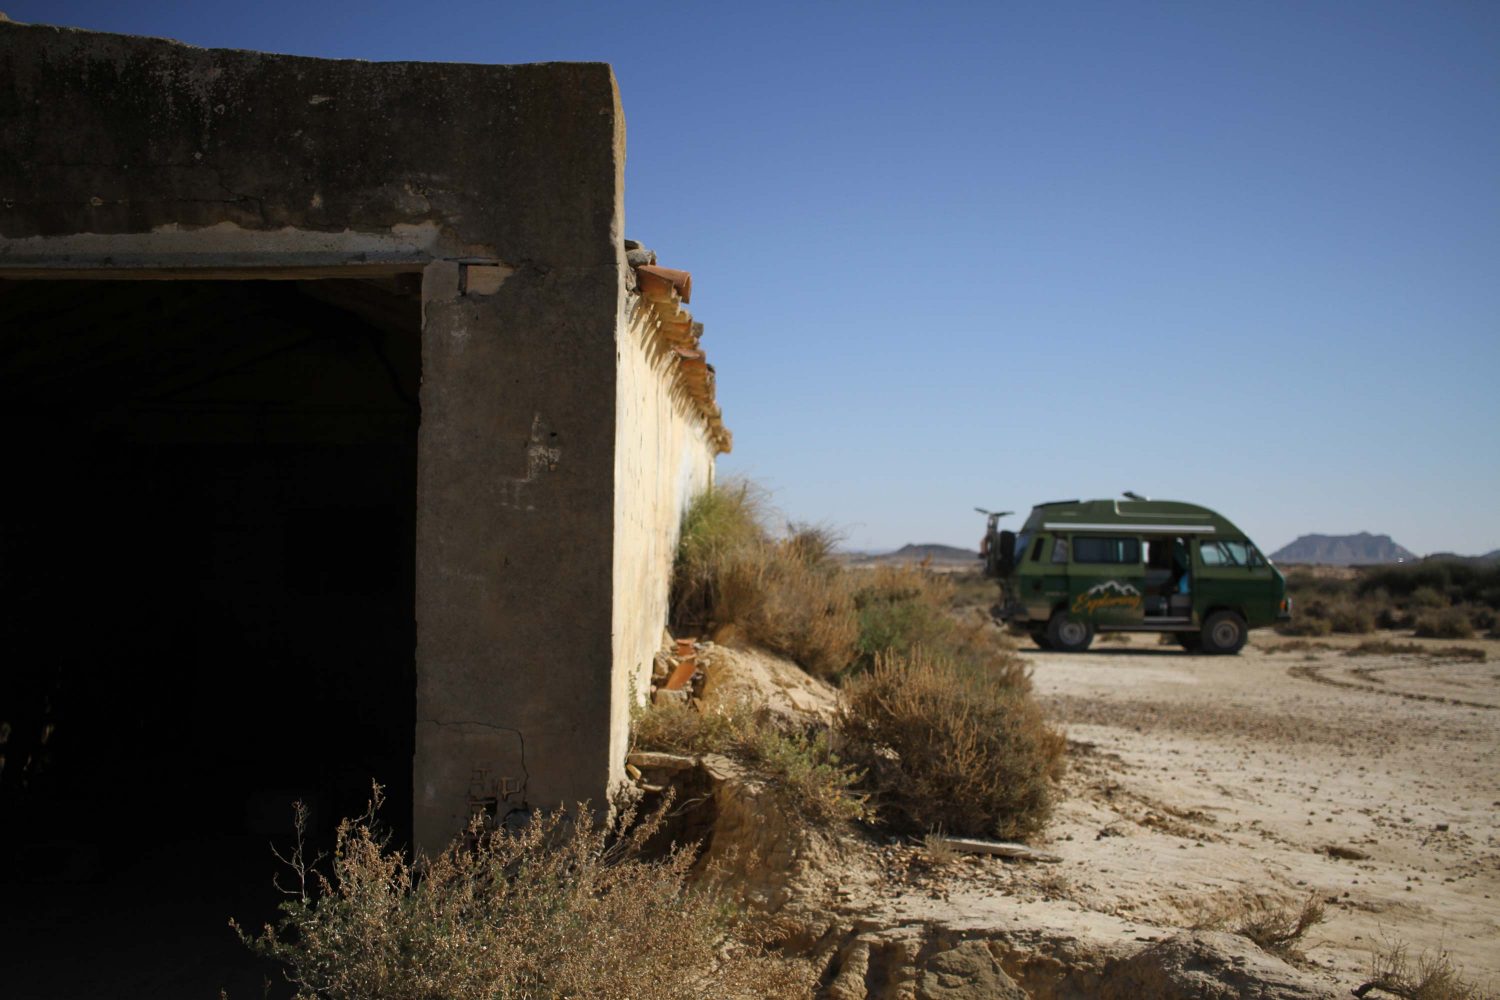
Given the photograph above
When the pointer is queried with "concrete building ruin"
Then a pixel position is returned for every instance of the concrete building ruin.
(340, 430)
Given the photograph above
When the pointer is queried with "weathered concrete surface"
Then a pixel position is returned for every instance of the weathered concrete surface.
(514, 535)
(663, 457)
(112, 134)
(555, 453)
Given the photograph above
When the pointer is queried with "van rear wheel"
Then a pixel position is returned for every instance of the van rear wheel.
(1067, 634)
(1224, 633)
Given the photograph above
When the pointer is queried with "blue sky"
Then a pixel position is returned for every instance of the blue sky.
(993, 254)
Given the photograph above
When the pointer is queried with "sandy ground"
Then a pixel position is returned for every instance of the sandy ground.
(1370, 782)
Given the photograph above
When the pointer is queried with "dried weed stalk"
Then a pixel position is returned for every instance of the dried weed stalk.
(1274, 927)
(560, 908)
(1431, 976)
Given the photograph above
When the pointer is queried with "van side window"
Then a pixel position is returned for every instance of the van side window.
(1224, 553)
(1107, 550)
(1060, 550)
(1036, 549)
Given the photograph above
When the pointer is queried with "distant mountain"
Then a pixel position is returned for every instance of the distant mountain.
(1363, 549)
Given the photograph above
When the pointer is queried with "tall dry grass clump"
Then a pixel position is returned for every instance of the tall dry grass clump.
(786, 594)
(558, 909)
(948, 746)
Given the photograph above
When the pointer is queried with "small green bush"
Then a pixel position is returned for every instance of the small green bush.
(1449, 623)
(561, 908)
(951, 747)
(1425, 598)
(905, 608)
(800, 764)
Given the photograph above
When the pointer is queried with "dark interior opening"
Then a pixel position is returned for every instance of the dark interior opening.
(206, 609)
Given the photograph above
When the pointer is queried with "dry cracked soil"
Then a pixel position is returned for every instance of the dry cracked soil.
(1196, 783)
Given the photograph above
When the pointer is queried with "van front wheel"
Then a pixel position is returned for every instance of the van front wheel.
(1224, 632)
(1067, 634)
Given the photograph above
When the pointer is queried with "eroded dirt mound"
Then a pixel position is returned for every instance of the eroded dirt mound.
(749, 842)
(1207, 965)
(764, 679)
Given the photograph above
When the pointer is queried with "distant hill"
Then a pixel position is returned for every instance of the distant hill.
(937, 553)
(1488, 557)
(944, 554)
(1363, 549)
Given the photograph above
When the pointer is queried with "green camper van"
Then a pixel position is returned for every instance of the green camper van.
(1078, 567)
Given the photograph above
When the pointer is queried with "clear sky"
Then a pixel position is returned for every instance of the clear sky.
(1245, 254)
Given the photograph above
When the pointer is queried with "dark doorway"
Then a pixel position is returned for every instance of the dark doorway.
(206, 609)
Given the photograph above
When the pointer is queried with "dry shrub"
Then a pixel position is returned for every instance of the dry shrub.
(1322, 614)
(947, 746)
(1481, 616)
(1428, 977)
(1275, 928)
(1449, 623)
(1351, 617)
(1426, 598)
(560, 908)
(799, 763)
(786, 594)
(906, 608)
(1306, 624)
(1385, 647)
(676, 727)
(1300, 646)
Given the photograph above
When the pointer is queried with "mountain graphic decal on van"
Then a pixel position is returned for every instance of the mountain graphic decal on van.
(1111, 594)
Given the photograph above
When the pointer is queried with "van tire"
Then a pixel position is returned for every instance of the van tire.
(1067, 634)
(1224, 633)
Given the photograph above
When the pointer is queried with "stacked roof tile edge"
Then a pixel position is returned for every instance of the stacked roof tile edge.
(664, 292)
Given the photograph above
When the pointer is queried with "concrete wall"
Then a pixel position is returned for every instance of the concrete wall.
(555, 448)
(664, 455)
